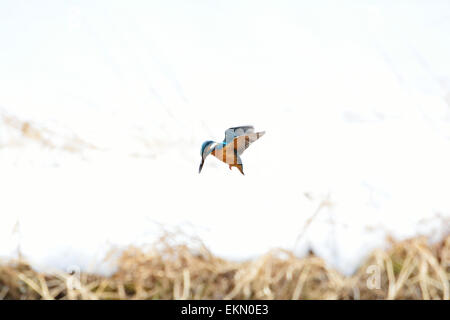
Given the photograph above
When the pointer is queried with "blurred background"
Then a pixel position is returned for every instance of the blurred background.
(104, 106)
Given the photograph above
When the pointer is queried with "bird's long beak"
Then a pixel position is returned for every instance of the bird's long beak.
(201, 166)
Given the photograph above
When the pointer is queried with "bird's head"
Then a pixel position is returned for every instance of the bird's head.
(204, 152)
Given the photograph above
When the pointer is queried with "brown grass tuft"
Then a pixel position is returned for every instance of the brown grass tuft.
(47, 138)
(410, 269)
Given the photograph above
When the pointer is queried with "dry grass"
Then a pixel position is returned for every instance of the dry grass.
(411, 269)
(28, 131)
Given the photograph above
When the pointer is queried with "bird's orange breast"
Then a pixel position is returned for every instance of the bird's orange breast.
(226, 154)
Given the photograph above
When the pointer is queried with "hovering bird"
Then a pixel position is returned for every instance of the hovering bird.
(237, 140)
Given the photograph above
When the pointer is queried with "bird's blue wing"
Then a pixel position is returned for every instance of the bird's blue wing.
(241, 143)
(234, 132)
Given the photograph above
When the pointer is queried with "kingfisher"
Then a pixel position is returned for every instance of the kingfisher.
(237, 140)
